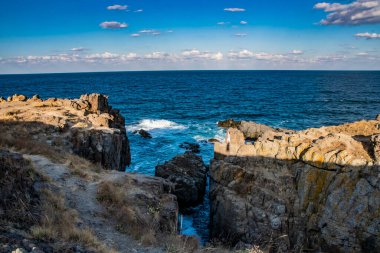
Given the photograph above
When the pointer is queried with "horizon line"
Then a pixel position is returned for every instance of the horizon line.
(194, 70)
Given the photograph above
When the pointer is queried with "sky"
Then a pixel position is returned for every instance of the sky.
(44, 36)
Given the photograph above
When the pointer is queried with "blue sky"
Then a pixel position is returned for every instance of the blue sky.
(106, 35)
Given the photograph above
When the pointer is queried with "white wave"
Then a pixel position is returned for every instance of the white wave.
(220, 136)
(150, 124)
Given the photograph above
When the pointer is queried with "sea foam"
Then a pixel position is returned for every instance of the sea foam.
(150, 124)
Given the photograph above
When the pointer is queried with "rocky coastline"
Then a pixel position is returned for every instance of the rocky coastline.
(316, 190)
(63, 187)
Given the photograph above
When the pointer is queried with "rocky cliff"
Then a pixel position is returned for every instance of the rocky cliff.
(87, 126)
(313, 190)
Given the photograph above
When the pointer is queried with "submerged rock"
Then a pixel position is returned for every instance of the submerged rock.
(188, 174)
(143, 133)
(213, 140)
(317, 189)
(191, 147)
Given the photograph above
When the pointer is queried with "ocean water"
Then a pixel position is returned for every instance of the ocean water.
(181, 106)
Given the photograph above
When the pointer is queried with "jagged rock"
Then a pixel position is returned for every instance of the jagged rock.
(143, 133)
(98, 102)
(2, 100)
(376, 146)
(229, 123)
(378, 117)
(35, 98)
(86, 126)
(17, 98)
(188, 174)
(191, 147)
(316, 189)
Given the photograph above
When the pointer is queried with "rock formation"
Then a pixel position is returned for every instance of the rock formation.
(188, 174)
(143, 133)
(191, 147)
(314, 190)
(87, 126)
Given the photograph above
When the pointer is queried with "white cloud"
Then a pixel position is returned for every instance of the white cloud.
(117, 7)
(243, 22)
(78, 49)
(368, 35)
(135, 35)
(243, 54)
(356, 13)
(240, 34)
(157, 56)
(296, 52)
(197, 54)
(222, 23)
(234, 9)
(113, 25)
(139, 10)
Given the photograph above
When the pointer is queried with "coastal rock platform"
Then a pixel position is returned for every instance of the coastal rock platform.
(290, 191)
(87, 126)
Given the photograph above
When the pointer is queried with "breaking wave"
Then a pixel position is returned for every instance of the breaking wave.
(150, 124)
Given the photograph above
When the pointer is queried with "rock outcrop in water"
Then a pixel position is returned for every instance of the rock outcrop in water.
(314, 190)
(188, 174)
(87, 126)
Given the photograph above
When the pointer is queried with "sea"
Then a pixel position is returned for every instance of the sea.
(185, 106)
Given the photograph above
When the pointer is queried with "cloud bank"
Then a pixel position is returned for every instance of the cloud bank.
(359, 12)
(368, 35)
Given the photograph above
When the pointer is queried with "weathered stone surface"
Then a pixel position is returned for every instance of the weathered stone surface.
(319, 189)
(188, 174)
(85, 126)
(253, 130)
(35, 98)
(17, 98)
(378, 117)
(98, 102)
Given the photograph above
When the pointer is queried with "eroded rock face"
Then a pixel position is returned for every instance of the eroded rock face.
(317, 189)
(87, 126)
(188, 174)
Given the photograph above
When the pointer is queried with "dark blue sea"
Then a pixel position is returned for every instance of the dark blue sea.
(179, 106)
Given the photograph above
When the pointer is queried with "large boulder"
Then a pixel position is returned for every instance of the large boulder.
(98, 102)
(188, 174)
(317, 189)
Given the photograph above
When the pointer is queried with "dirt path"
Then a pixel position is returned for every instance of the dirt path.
(80, 195)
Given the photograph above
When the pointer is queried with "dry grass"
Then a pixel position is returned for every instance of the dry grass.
(20, 136)
(59, 223)
(113, 196)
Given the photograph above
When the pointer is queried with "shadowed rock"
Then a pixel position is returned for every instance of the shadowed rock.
(143, 133)
(188, 174)
(317, 189)
(191, 147)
